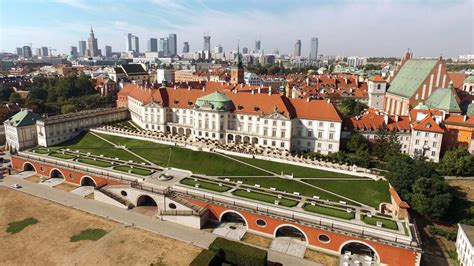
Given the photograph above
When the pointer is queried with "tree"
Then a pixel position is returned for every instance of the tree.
(68, 108)
(38, 93)
(458, 162)
(15, 97)
(356, 142)
(5, 92)
(400, 174)
(351, 107)
(386, 144)
(431, 197)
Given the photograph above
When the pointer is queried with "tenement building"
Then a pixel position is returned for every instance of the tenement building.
(235, 114)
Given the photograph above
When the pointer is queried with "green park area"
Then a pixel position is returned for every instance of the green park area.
(99, 163)
(386, 223)
(288, 169)
(264, 197)
(205, 185)
(368, 192)
(329, 211)
(133, 170)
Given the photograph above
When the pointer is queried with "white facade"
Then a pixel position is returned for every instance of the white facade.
(272, 130)
(164, 74)
(426, 144)
(376, 93)
(57, 129)
(19, 138)
(464, 245)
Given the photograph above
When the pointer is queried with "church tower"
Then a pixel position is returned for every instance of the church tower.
(237, 70)
(377, 87)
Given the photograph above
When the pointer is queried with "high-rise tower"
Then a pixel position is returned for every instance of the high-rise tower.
(172, 44)
(297, 51)
(92, 45)
(207, 43)
(313, 52)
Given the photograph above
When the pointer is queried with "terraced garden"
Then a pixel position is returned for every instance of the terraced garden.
(205, 185)
(386, 223)
(265, 198)
(334, 212)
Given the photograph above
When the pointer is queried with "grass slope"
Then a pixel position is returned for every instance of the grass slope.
(204, 185)
(329, 211)
(195, 161)
(386, 223)
(264, 197)
(298, 171)
(134, 170)
(371, 193)
(99, 163)
(289, 186)
(90, 143)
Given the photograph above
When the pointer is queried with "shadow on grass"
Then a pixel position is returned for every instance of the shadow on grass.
(89, 234)
(16, 227)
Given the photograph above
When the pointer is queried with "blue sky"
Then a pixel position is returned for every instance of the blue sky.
(344, 27)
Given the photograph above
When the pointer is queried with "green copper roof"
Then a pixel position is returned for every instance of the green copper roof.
(23, 118)
(216, 101)
(470, 109)
(444, 99)
(421, 106)
(411, 76)
(469, 79)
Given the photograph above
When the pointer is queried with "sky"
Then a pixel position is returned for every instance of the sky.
(344, 27)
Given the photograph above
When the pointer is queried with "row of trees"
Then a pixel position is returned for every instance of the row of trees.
(351, 107)
(63, 95)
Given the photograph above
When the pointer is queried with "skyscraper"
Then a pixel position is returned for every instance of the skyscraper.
(135, 44)
(172, 44)
(108, 51)
(27, 52)
(44, 51)
(92, 45)
(185, 47)
(313, 52)
(245, 50)
(297, 51)
(82, 48)
(257, 46)
(163, 46)
(19, 51)
(73, 50)
(152, 45)
(207, 43)
(38, 51)
(128, 43)
(218, 49)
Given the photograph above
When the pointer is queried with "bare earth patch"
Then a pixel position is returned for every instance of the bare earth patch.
(48, 242)
(65, 187)
(320, 257)
(34, 178)
(257, 240)
(465, 186)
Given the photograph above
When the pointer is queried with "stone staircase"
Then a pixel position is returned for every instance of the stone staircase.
(195, 209)
(116, 197)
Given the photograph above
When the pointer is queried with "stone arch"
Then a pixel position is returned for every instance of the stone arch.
(230, 137)
(88, 181)
(188, 132)
(56, 173)
(146, 200)
(232, 212)
(254, 140)
(174, 130)
(181, 131)
(238, 139)
(363, 248)
(168, 129)
(246, 140)
(27, 166)
(290, 230)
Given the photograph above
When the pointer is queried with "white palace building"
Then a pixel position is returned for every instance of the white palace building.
(235, 113)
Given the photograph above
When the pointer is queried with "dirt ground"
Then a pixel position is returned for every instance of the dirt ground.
(257, 240)
(34, 178)
(320, 257)
(65, 187)
(47, 242)
(465, 186)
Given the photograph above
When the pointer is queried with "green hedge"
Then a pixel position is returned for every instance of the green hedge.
(206, 257)
(237, 253)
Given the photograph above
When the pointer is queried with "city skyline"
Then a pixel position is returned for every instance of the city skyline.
(52, 24)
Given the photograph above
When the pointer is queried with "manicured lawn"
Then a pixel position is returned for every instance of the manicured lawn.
(40, 151)
(90, 143)
(195, 161)
(298, 171)
(89, 234)
(99, 163)
(204, 185)
(287, 185)
(329, 211)
(264, 197)
(386, 223)
(134, 170)
(16, 227)
(368, 192)
(62, 156)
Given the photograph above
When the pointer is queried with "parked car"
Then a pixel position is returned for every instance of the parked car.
(17, 186)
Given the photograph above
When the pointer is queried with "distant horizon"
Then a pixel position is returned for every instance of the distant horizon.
(350, 28)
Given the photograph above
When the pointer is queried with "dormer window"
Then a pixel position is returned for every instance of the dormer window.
(176, 101)
(190, 103)
(256, 109)
(240, 107)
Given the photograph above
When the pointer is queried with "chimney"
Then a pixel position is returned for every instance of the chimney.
(346, 80)
(269, 91)
(175, 87)
(203, 88)
(465, 118)
(241, 85)
(385, 119)
(189, 88)
(235, 91)
(253, 92)
(329, 100)
(397, 117)
(258, 90)
(308, 99)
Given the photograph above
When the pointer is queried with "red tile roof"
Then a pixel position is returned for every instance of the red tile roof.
(428, 124)
(457, 78)
(462, 120)
(397, 199)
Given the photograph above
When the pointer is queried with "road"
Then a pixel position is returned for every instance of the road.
(176, 231)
